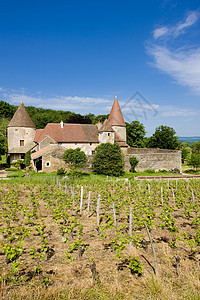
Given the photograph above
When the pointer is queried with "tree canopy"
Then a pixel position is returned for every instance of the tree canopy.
(164, 138)
(108, 159)
(75, 158)
(135, 132)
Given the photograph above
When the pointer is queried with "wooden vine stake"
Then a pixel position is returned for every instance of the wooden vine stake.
(114, 214)
(192, 197)
(81, 204)
(98, 206)
(66, 187)
(162, 195)
(89, 195)
(153, 250)
(130, 229)
(173, 197)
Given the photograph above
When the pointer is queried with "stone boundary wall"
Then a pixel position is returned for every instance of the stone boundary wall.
(156, 159)
(149, 158)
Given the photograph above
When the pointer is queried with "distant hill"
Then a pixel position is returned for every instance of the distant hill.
(189, 139)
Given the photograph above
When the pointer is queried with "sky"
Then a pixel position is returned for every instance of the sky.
(78, 55)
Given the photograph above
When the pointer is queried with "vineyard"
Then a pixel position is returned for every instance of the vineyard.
(99, 238)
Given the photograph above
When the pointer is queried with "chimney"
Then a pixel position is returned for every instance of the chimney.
(61, 124)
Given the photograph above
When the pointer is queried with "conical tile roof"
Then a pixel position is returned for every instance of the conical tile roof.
(21, 118)
(116, 117)
(106, 127)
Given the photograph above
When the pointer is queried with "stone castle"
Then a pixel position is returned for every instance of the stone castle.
(51, 142)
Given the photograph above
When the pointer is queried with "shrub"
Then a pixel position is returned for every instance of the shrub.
(61, 172)
(27, 160)
(134, 162)
(75, 158)
(108, 159)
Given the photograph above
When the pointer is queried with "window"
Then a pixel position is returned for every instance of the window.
(21, 143)
(16, 129)
(93, 152)
(47, 164)
(90, 144)
(22, 156)
(108, 133)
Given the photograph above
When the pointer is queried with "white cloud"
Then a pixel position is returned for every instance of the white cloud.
(178, 28)
(76, 103)
(190, 20)
(174, 111)
(183, 66)
(183, 63)
(158, 32)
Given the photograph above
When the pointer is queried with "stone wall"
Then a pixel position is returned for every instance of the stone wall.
(157, 159)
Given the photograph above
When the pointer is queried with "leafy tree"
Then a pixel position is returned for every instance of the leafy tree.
(195, 157)
(108, 159)
(75, 158)
(135, 132)
(3, 135)
(7, 110)
(164, 138)
(78, 119)
(133, 161)
(100, 118)
(27, 159)
(195, 160)
(185, 151)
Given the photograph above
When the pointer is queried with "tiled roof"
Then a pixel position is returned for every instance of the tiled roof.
(70, 133)
(118, 140)
(21, 118)
(37, 133)
(116, 117)
(43, 151)
(23, 149)
(106, 127)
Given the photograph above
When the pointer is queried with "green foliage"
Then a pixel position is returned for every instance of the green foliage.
(133, 161)
(27, 160)
(3, 135)
(194, 160)
(17, 164)
(135, 266)
(164, 138)
(108, 159)
(135, 132)
(7, 110)
(195, 156)
(75, 158)
(61, 172)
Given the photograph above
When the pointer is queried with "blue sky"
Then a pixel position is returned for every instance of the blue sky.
(79, 55)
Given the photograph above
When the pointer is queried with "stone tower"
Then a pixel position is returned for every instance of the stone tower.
(21, 131)
(117, 121)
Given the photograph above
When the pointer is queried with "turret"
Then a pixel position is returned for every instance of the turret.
(117, 121)
(21, 129)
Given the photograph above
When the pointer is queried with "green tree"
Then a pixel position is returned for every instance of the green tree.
(135, 132)
(3, 135)
(27, 159)
(75, 158)
(133, 162)
(185, 151)
(164, 138)
(195, 157)
(108, 159)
